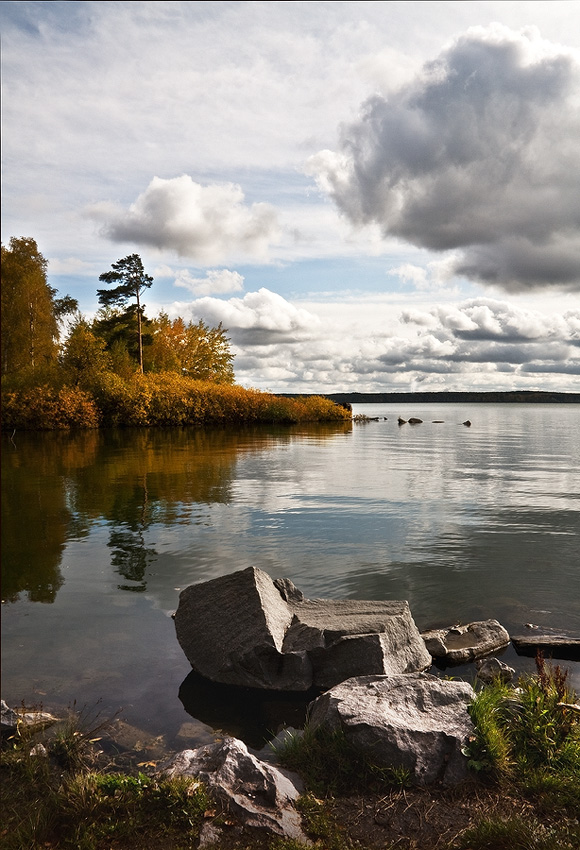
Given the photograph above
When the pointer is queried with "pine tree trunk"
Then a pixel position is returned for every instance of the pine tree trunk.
(139, 332)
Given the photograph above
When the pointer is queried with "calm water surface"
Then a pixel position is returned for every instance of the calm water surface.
(101, 530)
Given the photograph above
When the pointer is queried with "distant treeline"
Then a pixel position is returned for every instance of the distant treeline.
(494, 397)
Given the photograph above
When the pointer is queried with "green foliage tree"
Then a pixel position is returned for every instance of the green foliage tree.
(131, 280)
(117, 328)
(30, 311)
(83, 355)
(194, 350)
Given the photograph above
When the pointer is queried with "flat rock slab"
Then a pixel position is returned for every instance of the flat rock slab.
(245, 629)
(557, 644)
(258, 794)
(461, 644)
(11, 719)
(416, 721)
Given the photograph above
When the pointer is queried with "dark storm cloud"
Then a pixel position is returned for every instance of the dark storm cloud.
(479, 153)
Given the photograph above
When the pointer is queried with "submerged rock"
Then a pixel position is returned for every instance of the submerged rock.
(245, 629)
(415, 721)
(461, 644)
(490, 669)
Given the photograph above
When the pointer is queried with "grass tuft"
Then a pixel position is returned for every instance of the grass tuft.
(519, 834)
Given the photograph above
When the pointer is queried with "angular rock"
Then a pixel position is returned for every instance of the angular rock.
(490, 669)
(245, 629)
(232, 629)
(416, 721)
(461, 644)
(256, 793)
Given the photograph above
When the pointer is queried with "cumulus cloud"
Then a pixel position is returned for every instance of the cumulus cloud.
(478, 154)
(487, 319)
(498, 335)
(480, 344)
(216, 281)
(205, 223)
(259, 318)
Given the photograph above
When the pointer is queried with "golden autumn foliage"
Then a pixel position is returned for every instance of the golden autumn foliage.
(48, 408)
(156, 399)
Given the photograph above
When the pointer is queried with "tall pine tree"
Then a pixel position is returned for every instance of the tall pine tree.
(132, 281)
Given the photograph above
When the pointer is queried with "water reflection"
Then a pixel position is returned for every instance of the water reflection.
(253, 715)
(109, 526)
(58, 487)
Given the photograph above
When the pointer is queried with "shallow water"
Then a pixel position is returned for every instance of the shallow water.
(101, 530)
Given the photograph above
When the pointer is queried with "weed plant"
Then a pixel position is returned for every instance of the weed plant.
(529, 737)
(519, 834)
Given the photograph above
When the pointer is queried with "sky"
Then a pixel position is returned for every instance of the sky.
(369, 196)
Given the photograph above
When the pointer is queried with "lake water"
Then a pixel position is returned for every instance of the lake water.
(101, 530)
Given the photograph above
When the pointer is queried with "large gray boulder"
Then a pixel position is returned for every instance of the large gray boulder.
(416, 721)
(257, 794)
(245, 629)
(462, 644)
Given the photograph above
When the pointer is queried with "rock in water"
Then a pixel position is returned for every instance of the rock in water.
(245, 629)
(461, 644)
(492, 669)
(416, 721)
(11, 718)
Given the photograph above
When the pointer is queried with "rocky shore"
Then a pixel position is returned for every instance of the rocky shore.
(365, 662)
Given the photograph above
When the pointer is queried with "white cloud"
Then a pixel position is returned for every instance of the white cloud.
(232, 95)
(205, 223)
(216, 281)
(415, 274)
(478, 154)
(70, 265)
(480, 343)
(259, 318)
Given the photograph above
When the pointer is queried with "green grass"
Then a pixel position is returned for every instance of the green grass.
(520, 834)
(528, 743)
(527, 736)
(526, 749)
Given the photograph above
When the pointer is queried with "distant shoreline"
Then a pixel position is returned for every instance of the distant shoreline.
(494, 397)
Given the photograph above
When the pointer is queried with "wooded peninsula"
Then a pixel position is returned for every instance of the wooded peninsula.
(61, 370)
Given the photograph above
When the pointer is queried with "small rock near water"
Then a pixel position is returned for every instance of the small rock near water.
(490, 669)
(10, 718)
(256, 793)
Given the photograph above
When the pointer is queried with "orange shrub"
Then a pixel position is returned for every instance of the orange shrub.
(48, 408)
